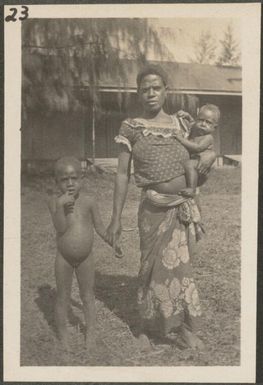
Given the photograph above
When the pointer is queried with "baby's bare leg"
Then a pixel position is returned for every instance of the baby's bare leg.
(63, 273)
(85, 276)
(191, 177)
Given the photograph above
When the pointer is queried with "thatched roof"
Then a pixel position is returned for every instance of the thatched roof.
(55, 82)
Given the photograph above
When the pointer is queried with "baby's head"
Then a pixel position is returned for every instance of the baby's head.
(68, 175)
(207, 119)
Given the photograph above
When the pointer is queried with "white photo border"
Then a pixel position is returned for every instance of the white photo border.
(249, 15)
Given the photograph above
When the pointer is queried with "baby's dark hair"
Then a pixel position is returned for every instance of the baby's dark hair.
(213, 108)
(67, 161)
(151, 69)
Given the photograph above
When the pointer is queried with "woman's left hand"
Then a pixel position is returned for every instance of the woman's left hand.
(113, 232)
(206, 161)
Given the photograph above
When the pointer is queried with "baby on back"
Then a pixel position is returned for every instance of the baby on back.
(199, 141)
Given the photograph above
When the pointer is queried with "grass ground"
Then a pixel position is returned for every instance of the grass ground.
(217, 271)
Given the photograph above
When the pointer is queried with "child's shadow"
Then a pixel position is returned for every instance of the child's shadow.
(46, 302)
(118, 293)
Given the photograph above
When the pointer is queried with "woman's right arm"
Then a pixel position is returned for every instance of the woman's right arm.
(120, 193)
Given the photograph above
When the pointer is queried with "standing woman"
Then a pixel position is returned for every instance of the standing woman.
(167, 293)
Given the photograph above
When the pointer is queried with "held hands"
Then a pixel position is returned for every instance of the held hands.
(112, 237)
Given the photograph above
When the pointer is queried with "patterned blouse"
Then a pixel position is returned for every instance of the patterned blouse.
(157, 155)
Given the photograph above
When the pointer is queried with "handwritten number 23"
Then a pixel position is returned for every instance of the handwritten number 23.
(12, 17)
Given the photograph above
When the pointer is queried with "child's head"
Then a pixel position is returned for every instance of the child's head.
(207, 119)
(68, 175)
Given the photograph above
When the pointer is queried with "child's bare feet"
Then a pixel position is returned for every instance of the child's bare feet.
(191, 339)
(187, 192)
(144, 343)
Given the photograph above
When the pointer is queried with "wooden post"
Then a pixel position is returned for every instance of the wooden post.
(85, 135)
(93, 133)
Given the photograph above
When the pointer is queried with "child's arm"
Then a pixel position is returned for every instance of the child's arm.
(205, 142)
(100, 228)
(56, 208)
(97, 221)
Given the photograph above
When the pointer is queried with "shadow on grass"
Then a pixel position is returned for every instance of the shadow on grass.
(46, 302)
(118, 293)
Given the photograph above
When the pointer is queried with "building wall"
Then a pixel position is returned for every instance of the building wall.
(107, 127)
(231, 127)
(50, 137)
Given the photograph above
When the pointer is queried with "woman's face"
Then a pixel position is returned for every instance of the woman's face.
(152, 93)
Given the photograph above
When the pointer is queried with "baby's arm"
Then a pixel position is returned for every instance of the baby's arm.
(185, 115)
(193, 147)
(56, 208)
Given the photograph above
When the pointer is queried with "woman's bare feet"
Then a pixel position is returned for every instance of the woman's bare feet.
(144, 343)
(191, 339)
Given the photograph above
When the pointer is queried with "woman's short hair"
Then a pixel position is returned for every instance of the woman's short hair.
(151, 69)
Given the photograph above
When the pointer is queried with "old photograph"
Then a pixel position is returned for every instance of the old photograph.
(133, 143)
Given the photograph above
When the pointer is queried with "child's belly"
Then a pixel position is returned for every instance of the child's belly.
(173, 186)
(76, 244)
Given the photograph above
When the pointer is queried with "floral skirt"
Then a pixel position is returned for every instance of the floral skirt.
(167, 290)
